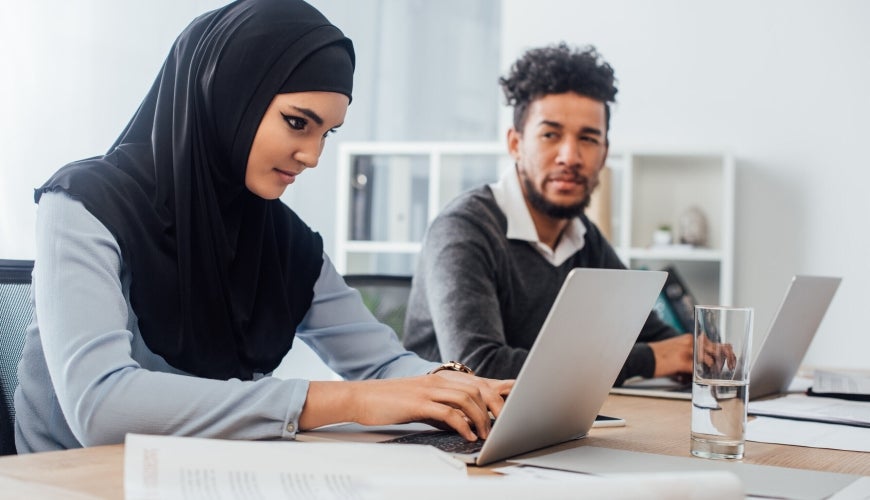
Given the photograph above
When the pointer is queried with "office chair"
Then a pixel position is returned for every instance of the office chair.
(15, 315)
(386, 296)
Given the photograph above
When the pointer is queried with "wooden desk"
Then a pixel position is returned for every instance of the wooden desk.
(654, 426)
(96, 472)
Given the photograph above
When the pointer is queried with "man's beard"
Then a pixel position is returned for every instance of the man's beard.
(540, 203)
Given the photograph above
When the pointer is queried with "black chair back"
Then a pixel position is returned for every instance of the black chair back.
(386, 296)
(16, 313)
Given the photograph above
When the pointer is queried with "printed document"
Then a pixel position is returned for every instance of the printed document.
(167, 467)
(799, 406)
(841, 382)
(811, 434)
(159, 467)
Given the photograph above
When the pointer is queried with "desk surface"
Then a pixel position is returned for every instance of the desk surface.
(653, 426)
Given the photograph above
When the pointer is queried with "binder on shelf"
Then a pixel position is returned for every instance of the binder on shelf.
(666, 313)
(680, 299)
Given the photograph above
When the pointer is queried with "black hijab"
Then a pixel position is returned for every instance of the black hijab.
(220, 277)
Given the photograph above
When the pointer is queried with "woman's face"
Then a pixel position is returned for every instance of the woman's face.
(290, 139)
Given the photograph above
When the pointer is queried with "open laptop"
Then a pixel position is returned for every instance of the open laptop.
(574, 361)
(777, 361)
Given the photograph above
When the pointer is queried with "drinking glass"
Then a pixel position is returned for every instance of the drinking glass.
(720, 379)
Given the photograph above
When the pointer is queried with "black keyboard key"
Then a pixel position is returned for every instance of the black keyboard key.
(448, 441)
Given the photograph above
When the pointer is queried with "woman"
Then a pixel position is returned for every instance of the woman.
(170, 281)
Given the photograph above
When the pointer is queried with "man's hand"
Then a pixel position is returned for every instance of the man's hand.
(673, 356)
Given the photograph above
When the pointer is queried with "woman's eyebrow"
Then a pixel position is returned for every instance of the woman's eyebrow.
(310, 114)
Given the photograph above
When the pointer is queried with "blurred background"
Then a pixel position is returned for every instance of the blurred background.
(781, 85)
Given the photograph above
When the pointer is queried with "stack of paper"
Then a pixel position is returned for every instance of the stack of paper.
(800, 407)
(192, 468)
(848, 385)
(810, 434)
(157, 467)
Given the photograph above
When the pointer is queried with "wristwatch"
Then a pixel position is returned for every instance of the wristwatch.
(455, 366)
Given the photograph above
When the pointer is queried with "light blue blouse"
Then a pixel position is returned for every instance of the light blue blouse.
(87, 378)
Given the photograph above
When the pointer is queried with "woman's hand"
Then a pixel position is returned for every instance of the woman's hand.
(445, 399)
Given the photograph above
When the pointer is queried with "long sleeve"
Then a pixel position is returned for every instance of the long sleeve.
(456, 294)
(344, 333)
(108, 383)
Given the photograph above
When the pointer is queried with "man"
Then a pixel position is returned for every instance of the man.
(493, 261)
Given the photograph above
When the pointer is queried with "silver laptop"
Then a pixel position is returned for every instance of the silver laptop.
(574, 361)
(777, 361)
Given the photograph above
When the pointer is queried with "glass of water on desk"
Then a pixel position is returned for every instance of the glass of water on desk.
(720, 381)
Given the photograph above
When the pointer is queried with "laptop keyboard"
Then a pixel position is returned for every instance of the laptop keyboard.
(449, 441)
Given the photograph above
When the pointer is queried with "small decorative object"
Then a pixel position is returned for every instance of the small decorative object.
(662, 236)
(693, 227)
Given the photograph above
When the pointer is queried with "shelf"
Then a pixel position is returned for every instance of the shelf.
(382, 246)
(389, 192)
(689, 254)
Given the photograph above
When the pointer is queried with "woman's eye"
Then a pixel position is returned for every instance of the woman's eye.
(295, 122)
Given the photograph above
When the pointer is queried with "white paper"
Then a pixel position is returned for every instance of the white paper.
(859, 490)
(666, 486)
(800, 383)
(690, 485)
(191, 468)
(814, 408)
(810, 434)
(841, 382)
(760, 480)
(527, 471)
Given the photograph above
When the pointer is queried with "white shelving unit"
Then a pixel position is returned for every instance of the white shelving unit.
(655, 188)
(396, 189)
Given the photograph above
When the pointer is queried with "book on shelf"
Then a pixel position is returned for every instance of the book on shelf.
(599, 209)
(680, 299)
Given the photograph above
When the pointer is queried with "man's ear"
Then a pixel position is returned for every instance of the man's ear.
(513, 143)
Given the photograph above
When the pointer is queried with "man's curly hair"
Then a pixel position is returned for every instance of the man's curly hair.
(557, 69)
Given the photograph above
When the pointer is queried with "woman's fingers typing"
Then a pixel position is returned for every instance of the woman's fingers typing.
(460, 401)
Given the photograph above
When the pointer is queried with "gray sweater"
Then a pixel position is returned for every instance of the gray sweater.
(487, 296)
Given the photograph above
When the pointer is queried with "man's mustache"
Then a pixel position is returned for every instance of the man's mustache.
(569, 176)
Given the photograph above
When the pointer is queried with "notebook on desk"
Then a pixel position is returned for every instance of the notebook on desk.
(577, 355)
(777, 361)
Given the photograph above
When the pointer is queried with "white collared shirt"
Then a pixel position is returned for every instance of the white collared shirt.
(520, 226)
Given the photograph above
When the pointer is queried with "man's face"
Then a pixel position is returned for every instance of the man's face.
(560, 152)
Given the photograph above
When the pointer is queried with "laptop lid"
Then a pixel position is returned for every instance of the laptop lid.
(789, 337)
(574, 361)
(777, 360)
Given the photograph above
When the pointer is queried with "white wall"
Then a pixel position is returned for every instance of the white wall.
(73, 74)
(785, 86)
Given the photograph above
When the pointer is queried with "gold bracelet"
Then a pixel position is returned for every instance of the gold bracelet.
(455, 366)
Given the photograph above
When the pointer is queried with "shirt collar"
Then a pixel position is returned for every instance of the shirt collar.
(509, 197)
